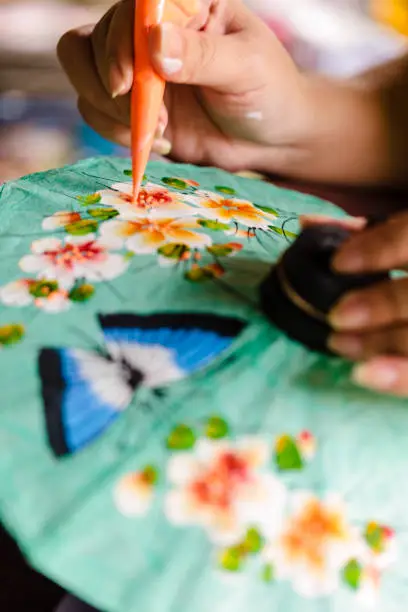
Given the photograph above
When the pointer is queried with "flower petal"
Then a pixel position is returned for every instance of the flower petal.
(56, 302)
(45, 244)
(132, 496)
(60, 219)
(16, 294)
(78, 240)
(187, 237)
(146, 242)
(179, 509)
(182, 468)
(32, 263)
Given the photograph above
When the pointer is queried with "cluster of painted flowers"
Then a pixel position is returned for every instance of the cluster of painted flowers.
(233, 490)
(97, 244)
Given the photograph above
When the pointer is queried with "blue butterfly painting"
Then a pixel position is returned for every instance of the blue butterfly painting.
(84, 392)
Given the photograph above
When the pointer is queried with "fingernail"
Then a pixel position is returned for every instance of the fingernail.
(349, 261)
(119, 82)
(350, 313)
(161, 146)
(170, 49)
(346, 346)
(380, 377)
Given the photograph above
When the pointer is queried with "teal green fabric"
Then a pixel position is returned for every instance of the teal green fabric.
(299, 429)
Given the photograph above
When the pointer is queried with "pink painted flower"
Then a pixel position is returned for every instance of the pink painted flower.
(221, 487)
(73, 258)
(153, 201)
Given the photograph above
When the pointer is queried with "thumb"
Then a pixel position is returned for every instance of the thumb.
(224, 62)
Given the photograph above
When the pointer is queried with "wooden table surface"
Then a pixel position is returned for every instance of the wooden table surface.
(23, 590)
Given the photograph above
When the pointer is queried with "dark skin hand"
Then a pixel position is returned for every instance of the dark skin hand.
(371, 325)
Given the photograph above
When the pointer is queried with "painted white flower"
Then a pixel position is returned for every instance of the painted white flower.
(146, 235)
(42, 293)
(62, 218)
(314, 546)
(75, 257)
(134, 493)
(230, 209)
(220, 487)
(153, 201)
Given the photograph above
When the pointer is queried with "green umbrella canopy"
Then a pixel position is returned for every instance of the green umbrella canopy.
(162, 446)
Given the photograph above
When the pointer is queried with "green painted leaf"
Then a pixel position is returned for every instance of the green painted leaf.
(11, 334)
(81, 293)
(253, 542)
(220, 250)
(231, 559)
(374, 536)
(281, 232)
(173, 251)
(268, 210)
(352, 574)
(287, 454)
(129, 255)
(216, 428)
(42, 289)
(130, 173)
(268, 573)
(93, 198)
(215, 226)
(198, 275)
(181, 438)
(150, 474)
(81, 228)
(225, 190)
(174, 182)
(103, 214)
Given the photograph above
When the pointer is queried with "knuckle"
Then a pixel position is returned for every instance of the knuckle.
(198, 55)
(64, 45)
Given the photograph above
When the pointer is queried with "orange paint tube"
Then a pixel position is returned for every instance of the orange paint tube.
(148, 86)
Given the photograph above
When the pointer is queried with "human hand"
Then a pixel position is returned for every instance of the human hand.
(233, 90)
(371, 325)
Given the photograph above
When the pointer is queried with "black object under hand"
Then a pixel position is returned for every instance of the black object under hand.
(302, 288)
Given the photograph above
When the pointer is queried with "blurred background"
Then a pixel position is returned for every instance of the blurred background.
(39, 124)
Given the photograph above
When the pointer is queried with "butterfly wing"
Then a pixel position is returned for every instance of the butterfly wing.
(168, 347)
(83, 393)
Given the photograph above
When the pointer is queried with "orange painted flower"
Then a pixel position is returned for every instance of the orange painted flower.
(229, 209)
(146, 235)
(314, 546)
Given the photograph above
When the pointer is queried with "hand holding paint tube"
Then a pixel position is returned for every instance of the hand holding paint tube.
(232, 90)
(148, 85)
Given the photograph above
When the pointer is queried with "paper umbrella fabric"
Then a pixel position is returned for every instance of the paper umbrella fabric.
(163, 448)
